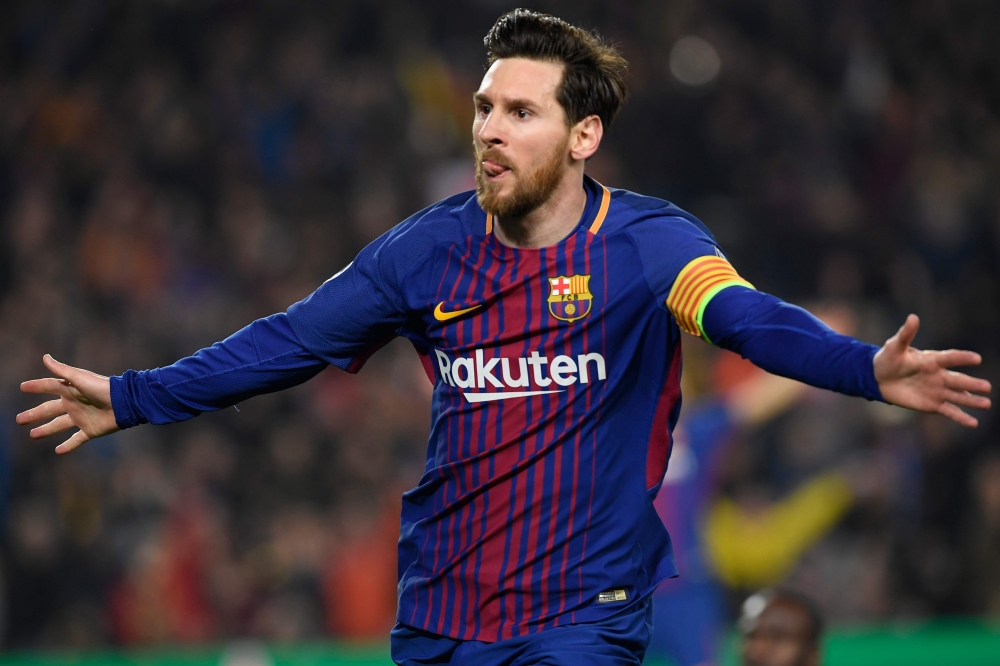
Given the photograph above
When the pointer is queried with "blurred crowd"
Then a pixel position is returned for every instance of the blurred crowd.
(171, 170)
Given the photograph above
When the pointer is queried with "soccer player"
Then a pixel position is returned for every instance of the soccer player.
(546, 309)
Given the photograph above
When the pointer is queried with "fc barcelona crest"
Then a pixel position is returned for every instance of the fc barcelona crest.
(569, 297)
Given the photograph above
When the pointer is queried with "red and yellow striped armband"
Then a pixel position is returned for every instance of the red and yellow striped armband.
(695, 286)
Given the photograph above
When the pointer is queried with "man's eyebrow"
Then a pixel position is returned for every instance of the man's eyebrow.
(482, 98)
(522, 103)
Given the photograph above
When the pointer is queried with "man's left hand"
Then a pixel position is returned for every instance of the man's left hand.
(922, 380)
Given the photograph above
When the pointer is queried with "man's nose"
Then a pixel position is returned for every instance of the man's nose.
(490, 132)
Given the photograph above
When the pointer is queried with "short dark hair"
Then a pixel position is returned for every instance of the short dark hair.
(789, 597)
(814, 630)
(593, 80)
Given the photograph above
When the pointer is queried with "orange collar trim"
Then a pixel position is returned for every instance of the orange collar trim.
(603, 212)
(594, 227)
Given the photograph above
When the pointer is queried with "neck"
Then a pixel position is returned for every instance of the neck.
(551, 222)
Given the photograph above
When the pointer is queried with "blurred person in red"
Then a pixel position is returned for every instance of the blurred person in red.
(359, 591)
(780, 628)
(162, 596)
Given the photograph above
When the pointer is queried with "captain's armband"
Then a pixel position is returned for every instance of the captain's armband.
(695, 286)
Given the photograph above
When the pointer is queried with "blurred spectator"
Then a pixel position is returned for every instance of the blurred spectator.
(690, 614)
(724, 528)
(753, 541)
(983, 538)
(359, 587)
(780, 628)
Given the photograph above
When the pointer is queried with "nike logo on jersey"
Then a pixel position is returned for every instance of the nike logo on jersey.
(476, 371)
(441, 315)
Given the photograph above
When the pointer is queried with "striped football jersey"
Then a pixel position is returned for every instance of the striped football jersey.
(556, 377)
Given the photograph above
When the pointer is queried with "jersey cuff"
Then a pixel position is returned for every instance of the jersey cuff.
(126, 415)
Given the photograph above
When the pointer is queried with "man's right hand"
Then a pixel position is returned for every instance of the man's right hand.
(84, 402)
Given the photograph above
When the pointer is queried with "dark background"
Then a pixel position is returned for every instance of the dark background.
(171, 170)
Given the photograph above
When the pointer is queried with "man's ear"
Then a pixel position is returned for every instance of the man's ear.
(585, 137)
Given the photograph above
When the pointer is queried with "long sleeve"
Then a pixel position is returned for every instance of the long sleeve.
(786, 340)
(689, 275)
(342, 323)
(264, 357)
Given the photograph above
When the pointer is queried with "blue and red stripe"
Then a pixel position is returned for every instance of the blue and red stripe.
(519, 522)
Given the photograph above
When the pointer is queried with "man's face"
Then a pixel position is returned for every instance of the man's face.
(779, 636)
(520, 136)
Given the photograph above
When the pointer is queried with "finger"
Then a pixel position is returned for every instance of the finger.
(963, 382)
(73, 442)
(47, 385)
(904, 336)
(61, 370)
(64, 422)
(957, 415)
(956, 357)
(964, 399)
(46, 410)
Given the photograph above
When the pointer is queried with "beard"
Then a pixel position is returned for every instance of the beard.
(529, 191)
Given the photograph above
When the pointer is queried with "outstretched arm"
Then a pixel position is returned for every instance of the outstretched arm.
(688, 273)
(788, 341)
(342, 323)
(263, 357)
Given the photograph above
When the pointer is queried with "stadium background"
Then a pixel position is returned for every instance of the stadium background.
(171, 170)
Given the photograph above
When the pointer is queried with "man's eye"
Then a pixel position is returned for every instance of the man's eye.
(521, 113)
(485, 109)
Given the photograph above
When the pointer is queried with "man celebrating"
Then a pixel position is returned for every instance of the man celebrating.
(546, 309)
